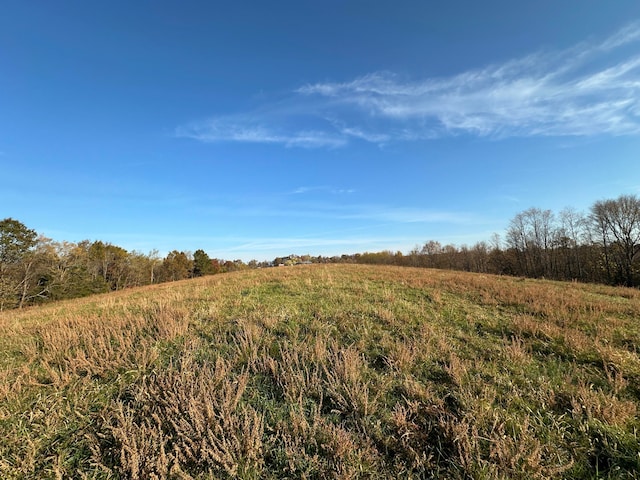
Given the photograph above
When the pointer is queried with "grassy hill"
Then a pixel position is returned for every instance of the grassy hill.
(326, 371)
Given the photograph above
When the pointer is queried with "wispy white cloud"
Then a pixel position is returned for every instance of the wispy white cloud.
(592, 88)
(343, 191)
(322, 188)
(624, 36)
(362, 134)
(249, 130)
(301, 190)
(406, 215)
(331, 207)
(370, 213)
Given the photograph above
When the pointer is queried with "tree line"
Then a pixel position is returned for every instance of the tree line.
(35, 269)
(602, 245)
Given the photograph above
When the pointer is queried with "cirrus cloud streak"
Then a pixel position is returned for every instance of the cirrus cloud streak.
(587, 90)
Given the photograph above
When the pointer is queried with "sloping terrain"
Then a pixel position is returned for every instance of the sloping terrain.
(325, 371)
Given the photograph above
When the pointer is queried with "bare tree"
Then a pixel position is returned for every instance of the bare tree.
(530, 234)
(571, 236)
(617, 224)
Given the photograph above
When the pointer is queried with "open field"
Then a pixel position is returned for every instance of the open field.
(326, 371)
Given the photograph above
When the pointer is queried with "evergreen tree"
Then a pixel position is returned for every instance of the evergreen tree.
(202, 264)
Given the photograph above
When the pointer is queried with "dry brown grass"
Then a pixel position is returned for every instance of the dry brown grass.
(186, 418)
(326, 372)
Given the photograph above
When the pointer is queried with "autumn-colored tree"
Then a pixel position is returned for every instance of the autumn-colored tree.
(176, 266)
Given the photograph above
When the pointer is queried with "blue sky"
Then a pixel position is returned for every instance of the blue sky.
(255, 129)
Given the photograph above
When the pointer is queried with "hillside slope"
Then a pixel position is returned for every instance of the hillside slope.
(325, 371)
